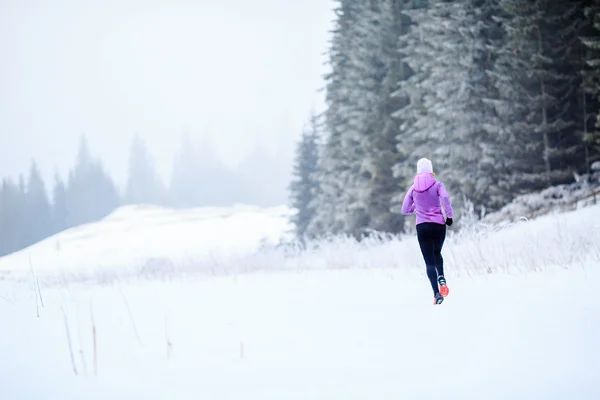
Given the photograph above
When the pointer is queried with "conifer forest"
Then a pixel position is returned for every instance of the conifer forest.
(501, 95)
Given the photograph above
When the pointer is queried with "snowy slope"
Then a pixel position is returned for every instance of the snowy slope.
(354, 334)
(134, 235)
(339, 321)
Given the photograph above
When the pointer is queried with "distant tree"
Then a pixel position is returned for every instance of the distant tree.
(303, 187)
(91, 193)
(200, 179)
(21, 211)
(184, 190)
(22, 186)
(102, 185)
(59, 205)
(37, 217)
(216, 184)
(79, 201)
(143, 184)
(258, 166)
(11, 225)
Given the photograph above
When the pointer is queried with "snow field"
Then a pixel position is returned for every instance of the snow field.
(339, 319)
(352, 334)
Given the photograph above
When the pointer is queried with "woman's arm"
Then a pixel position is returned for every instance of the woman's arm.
(443, 193)
(408, 205)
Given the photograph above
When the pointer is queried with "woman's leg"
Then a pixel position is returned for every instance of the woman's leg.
(427, 244)
(437, 249)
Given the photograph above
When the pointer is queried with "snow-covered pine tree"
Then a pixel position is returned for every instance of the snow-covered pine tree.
(572, 151)
(590, 38)
(356, 181)
(358, 88)
(340, 158)
(303, 187)
(535, 82)
(409, 109)
(448, 118)
(378, 139)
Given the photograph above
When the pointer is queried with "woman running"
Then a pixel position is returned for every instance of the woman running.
(424, 198)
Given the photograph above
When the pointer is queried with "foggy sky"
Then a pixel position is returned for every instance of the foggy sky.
(237, 73)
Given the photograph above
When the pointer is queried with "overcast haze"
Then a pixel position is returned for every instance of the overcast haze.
(241, 74)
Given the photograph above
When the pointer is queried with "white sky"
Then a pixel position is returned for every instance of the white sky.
(240, 73)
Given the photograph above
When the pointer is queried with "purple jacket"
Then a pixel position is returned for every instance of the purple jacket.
(424, 198)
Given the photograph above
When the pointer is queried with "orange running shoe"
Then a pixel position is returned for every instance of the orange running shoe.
(444, 290)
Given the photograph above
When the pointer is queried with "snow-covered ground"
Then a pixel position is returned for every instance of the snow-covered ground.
(141, 236)
(340, 320)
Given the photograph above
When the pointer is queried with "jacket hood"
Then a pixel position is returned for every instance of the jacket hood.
(423, 182)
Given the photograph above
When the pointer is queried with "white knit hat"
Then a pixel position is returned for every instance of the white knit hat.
(424, 166)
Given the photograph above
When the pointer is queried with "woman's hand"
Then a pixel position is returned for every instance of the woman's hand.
(449, 221)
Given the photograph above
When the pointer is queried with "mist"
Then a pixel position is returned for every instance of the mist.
(239, 80)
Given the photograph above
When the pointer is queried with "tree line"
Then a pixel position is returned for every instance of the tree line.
(28, 214)
(31, 211)
(502, 96)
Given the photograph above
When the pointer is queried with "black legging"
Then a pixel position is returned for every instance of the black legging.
(431, 239)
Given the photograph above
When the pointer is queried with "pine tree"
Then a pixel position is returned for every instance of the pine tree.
(219, 185)
(199, 179)
(304, 185)
(104, 190)
(37, 217)
(143, 183)
(379, 139)
(354, 171)
(535, 83)
(366, 73)
(448, 117)
(411, 111)
(59, 205)
(184, 190)
(11, 224)
(259, 164)
(79, 202)
(590, 94)
(91, 193)
(409, 94)
(338, 209)
(22, 212)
